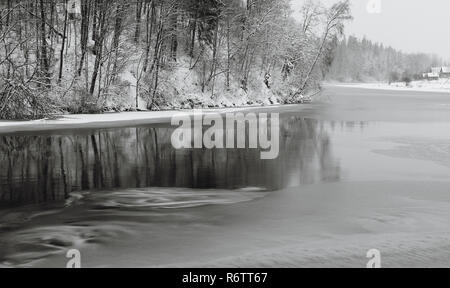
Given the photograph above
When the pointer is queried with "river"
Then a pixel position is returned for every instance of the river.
(358, 169)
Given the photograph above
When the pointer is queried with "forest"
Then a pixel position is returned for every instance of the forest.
(361, 60)
(96, 56)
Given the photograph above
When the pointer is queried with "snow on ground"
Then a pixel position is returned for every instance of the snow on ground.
(109, 119)
(442, 85)
(129, 78)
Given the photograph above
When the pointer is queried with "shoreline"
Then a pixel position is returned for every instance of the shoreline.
(384, 86)
(116, 119)
(138, 118)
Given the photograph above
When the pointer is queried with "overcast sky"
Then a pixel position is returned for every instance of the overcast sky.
(408, 25)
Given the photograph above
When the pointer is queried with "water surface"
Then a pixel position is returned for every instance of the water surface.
(357, 169)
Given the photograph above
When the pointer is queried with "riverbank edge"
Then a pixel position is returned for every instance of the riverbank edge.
(384, 86)
(120, 119)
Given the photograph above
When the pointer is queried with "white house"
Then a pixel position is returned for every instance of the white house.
(437, 73)
(436, 70)
(445, 72)
(432, 76)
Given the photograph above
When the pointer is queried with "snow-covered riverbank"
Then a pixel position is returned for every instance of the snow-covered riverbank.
(442, 85)
(112, 119)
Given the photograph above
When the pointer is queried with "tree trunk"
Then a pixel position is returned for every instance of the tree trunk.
(215, 50)
(118, 27)
(85, 13)
(45, 66)
(174, 29)
(193, 33)
(63, 45)
(228, 55)
(99, 45)
(95, 21)
(313, 66)
(150, 20)
(137, 32)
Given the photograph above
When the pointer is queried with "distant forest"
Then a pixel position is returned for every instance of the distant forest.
(357, 60)
(91, 56)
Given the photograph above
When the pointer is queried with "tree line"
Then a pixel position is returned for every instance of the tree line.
(362, 60)
(88, 56)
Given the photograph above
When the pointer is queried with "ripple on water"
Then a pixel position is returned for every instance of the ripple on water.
(26, 247)
(170, 198)
(40, 239)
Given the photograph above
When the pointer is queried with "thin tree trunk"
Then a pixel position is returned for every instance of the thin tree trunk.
(313, 66)
(174, 32)
(228, 56)
(44, 53)
(99, 46)
(137, 32)
(150, 20)
(214, 60)
(63, 45)
(85, 13)
(116, 41)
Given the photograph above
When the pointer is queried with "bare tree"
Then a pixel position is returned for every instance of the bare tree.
(335, 18)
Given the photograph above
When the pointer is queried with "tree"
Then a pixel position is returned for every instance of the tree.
(335, 18)
(98, 48)
(45, 61)
(63, 45)
(85, 20)
(163, 50)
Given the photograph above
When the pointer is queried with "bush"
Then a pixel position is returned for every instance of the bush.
(394, 77)
(18, 102)
(407, 79)
(81, 102)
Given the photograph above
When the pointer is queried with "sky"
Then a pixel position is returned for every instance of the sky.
(408, 25)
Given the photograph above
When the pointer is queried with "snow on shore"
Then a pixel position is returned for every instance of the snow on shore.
(442, 85)
(109, 119)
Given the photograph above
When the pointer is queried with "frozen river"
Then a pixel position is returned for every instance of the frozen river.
(358, 169)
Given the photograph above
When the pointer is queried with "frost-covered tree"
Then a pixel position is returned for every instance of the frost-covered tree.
(87, 56)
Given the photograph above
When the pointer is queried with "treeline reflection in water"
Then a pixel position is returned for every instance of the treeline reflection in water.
(44, 167)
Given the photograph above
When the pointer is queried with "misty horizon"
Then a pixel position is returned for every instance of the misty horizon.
(429, 21)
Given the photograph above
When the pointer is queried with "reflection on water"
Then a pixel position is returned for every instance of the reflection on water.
(81, 188)
(42, 168)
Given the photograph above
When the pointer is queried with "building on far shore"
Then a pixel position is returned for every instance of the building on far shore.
(436, 70)
(431, 76)
(445, 72)
(437, 73)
